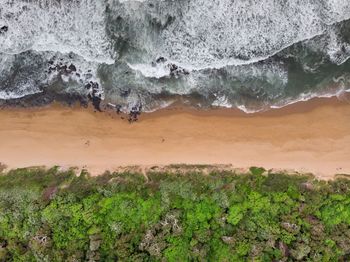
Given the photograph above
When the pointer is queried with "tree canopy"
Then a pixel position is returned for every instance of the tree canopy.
(48, 215)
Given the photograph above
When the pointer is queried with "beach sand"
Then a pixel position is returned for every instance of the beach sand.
(311, 136)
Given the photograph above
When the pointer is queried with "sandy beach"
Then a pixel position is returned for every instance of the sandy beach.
(309, 136)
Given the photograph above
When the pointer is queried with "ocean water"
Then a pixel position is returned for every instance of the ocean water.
(250, 54)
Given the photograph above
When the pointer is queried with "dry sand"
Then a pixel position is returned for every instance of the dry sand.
(310, 136)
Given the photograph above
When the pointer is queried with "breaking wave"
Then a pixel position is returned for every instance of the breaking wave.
(251, 55)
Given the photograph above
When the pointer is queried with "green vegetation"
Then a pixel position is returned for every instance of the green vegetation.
(221, 216)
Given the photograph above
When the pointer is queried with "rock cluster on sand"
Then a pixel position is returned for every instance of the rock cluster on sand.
(134, 113)
(94, 95)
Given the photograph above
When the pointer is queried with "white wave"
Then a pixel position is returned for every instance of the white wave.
(222, 101)
(123, 1)
(155, 70)
(248, 110)
(301, 98)
(5, 63)
(85, 72)
(306, 97)
(203, 34)
(337, 50)
(213, 34)
(343, 87)
(22, 90)
(160, 105)
(49, 25)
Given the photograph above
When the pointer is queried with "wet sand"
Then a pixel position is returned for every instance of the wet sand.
(311, 136)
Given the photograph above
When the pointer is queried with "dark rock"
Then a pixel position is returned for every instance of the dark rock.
(96, 102)
(63, 68)
(72, 68)
(118, 109)
(176, 70)
(134, 113)
(173, 67)
(96, 99)
(161, 59)
(4, 29)
(185, 72)
(125, 93)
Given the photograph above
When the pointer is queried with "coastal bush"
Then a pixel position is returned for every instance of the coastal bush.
(49, 215)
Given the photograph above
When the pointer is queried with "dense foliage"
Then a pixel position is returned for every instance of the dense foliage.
(58, 216)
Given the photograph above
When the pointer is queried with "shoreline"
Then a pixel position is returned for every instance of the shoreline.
(311, 136)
